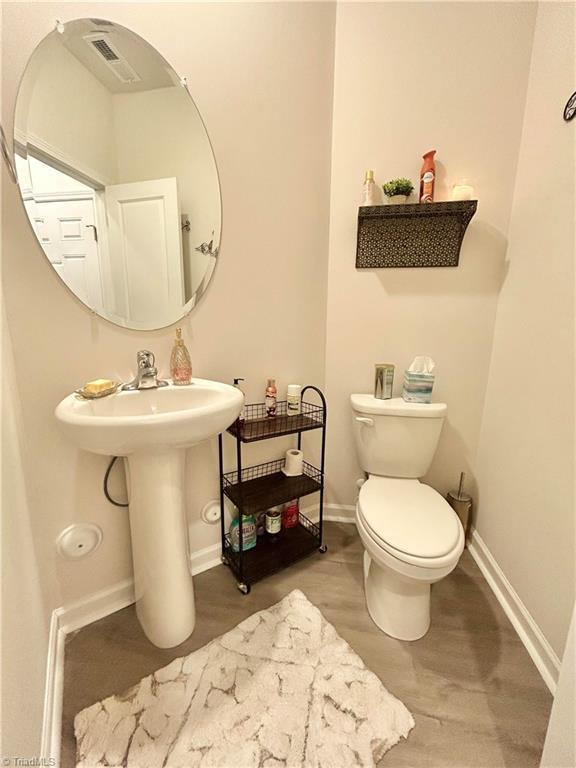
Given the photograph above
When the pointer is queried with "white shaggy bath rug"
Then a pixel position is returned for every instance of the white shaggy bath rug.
(281, 690)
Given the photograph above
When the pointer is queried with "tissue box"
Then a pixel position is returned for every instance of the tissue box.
(418, 387)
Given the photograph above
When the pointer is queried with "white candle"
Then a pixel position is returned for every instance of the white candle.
(462, 192)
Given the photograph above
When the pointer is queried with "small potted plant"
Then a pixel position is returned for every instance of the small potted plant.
(398, 190)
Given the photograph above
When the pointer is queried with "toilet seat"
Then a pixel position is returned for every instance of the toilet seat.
(410, 521)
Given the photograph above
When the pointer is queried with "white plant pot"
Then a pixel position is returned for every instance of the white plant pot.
(397, 200)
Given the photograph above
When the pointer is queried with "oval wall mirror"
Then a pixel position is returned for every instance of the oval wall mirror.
(117, 174)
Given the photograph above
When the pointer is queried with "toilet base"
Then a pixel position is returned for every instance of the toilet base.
(398, 606)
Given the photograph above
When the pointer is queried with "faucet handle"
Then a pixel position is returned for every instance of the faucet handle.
(146, 359)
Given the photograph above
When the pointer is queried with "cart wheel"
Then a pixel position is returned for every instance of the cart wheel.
(244, 588)
(224, 560)
(322, 549)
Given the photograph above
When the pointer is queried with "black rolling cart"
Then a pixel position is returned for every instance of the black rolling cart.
(257, 488)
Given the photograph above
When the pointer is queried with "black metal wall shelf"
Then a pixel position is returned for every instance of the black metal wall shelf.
(257, 488)
(412, 235)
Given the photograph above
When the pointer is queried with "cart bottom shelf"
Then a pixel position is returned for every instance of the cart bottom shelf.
(269, 556)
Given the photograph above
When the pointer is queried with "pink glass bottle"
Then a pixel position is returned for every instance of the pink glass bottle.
(180, 364)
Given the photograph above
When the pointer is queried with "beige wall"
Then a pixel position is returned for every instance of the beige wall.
(526, 452)
(25, 612)
(408, 78)
(261, 75)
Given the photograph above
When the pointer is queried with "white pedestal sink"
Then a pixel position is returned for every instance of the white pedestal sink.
(152, 428)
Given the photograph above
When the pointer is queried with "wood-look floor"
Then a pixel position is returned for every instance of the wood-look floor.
(477, 698)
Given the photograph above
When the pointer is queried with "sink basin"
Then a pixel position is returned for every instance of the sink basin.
(150, 419)
(152, 428)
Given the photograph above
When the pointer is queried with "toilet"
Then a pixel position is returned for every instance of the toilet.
(411, 535)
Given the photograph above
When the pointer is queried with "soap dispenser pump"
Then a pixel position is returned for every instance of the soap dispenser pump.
(180, 364)
(242, 414)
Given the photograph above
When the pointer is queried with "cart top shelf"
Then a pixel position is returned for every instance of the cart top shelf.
(258, 426)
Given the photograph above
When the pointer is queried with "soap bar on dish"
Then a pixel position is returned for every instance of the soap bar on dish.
(98, 385)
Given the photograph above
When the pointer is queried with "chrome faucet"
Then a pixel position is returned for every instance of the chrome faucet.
(147, 374)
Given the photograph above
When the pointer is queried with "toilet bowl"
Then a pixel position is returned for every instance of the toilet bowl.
(411, 535)
(412, 538)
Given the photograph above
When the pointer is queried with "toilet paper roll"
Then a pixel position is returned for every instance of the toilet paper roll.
(294, 463)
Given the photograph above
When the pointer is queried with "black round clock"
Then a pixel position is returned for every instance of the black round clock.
(570, 108)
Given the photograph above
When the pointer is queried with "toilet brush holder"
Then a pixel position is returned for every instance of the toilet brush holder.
(461, 503)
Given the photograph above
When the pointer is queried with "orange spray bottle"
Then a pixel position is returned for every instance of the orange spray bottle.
(427, 177)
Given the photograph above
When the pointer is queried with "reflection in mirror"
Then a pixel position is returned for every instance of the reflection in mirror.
(117, 174)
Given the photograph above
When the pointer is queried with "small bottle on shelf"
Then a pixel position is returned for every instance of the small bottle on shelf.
(427, 177)
(290, 514)
(273, 523)
(369, 190)
(293, 396)
(271, 397)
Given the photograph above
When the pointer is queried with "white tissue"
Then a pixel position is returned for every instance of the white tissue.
(294, 463)
(422, 364)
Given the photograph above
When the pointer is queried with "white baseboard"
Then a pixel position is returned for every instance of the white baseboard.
(340, 513)
(333, 513)
(76, 615)
(532, 637)
(99, 604)
(206, 558)
(540, 650)
(52, 721)
(95, 606)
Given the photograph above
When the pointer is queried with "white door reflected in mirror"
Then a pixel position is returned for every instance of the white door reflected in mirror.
(117, 174)
(145, 275)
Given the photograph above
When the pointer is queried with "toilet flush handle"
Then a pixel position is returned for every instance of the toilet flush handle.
(365, 420)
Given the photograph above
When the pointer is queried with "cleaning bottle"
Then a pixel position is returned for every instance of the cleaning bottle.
(248, 533)
(427, 177)
(369, 190)
(180, 364)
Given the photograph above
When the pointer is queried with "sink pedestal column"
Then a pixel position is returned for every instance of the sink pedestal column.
(162, 577)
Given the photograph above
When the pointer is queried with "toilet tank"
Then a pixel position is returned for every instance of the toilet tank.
(395, 438)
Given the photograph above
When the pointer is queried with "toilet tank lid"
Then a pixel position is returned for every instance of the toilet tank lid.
(396, 406)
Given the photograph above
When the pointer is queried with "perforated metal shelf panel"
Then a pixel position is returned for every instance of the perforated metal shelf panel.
(413, 235)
